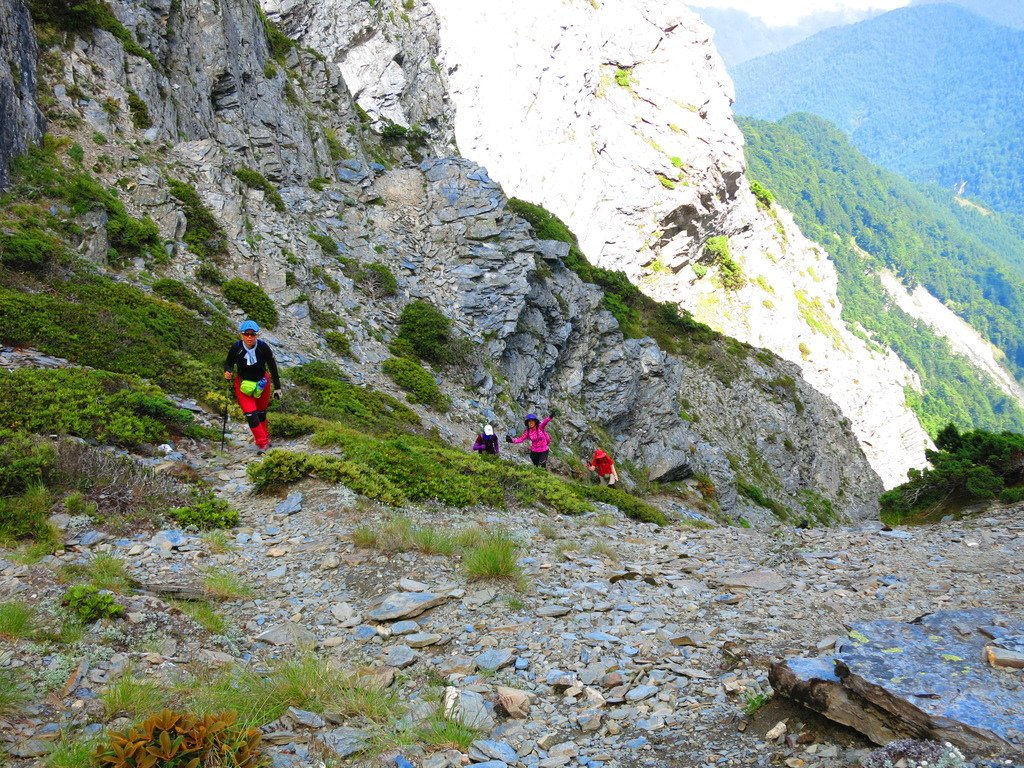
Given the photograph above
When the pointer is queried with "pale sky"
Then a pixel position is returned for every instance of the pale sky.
(781, 13)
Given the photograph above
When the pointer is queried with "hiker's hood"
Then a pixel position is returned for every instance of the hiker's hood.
(488, 430)
(599, 454)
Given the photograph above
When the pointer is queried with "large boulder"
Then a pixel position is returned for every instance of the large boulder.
(926, 679)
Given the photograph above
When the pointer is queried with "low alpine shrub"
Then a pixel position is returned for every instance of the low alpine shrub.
(630, 506)
(256, 180)
(26, 518)
(24, 461)
(88, 604)
(417, 381)
(338, 342)
(90, 404)
(376, 280)
(206, 513)
(252, 300)
(429, 334)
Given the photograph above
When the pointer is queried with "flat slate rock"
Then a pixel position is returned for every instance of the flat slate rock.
(929, 679)
(344, 741)
(405, 605)
(288, 633)
(768, 581)
(290, 505)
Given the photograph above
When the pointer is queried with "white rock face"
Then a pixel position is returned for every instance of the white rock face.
(789, 305)
(923, 306)
(618, 119)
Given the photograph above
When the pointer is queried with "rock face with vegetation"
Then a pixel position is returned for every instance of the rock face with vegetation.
(252, 184)
(21, 122)
(584, 110)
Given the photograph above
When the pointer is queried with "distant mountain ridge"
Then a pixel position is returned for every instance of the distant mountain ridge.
(950, 111)
(740, 37)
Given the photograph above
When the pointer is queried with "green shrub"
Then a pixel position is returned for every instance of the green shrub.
(428, 333)
(29, 249)
(209, 273)
(252, 300)
(322, 274)
(287, 425)
(327, 244)
(764, 197)
(26, 517)
(256, 180)
(338, 342)
(761, 499)
(206, 513)
(203, 234)
(322, 391)
(336, 149)
(82, 16)
(24, 461)
(96, 322)
(965, 467)
(88, 604)
(376, 280)
(178, 292)
(90, 404)
(139, 111)
(417, 381)
(630, 506)
(729, 272)
(1012, 495)
(278, 42)
(283, 467)
(133, 236)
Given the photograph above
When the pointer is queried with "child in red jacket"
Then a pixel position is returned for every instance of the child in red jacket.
(604, 466)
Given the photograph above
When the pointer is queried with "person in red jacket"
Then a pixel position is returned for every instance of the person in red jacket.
(604, 466)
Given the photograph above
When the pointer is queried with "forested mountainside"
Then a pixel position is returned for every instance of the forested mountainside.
(958, 125)
(871, 220)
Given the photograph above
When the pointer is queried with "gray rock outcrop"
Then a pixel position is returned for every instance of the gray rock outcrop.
(928, 679)
(722, 416)
(21, 122)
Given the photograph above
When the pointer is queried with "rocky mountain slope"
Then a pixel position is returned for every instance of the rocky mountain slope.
(217, 94)
(644, 165)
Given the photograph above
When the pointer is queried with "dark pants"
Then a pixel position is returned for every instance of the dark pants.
(539, 458)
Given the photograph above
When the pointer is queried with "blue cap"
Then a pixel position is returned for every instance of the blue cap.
(249, 325)
(531, 416)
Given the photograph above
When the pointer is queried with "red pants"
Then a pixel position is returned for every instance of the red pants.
(255, 410)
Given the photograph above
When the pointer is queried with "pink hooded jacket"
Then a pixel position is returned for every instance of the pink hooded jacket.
(538, 437)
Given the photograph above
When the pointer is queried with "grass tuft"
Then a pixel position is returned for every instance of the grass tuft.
(133, 697)
(304, 681)
(497, 558)
(225, 585)
(17, 620)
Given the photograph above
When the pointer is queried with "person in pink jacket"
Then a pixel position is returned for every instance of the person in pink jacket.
(540, 441)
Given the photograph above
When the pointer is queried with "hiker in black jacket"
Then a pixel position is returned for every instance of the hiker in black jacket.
(254, 361)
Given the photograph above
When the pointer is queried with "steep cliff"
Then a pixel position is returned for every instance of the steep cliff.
(309, 186)
(617, 117)
(21, 122)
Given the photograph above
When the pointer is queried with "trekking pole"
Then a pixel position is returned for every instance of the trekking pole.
(224, 425)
